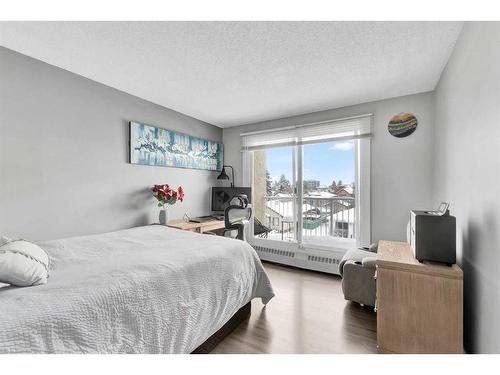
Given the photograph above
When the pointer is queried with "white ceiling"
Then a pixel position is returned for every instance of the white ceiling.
(232, 73)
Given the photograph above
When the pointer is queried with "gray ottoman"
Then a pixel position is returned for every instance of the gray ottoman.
(357, 269)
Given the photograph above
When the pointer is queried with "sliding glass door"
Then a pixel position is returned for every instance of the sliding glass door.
(310, 191)
(306, 194)
(329, 192)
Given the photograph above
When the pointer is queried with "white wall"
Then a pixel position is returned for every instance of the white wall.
(64, 155)
(467, 173)
(401, 168)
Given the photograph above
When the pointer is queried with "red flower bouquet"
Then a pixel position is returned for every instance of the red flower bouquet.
(166, 195)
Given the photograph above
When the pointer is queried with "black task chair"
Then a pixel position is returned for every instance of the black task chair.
(237, 217)
(260, 229)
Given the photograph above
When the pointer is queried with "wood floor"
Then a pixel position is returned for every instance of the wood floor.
(307, 315)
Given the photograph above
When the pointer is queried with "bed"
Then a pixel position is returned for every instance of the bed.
(149, 289)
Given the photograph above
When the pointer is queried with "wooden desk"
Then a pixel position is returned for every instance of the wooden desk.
(419, 305)
(207, 226)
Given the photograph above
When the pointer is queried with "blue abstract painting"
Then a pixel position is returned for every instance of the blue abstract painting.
(150, 145)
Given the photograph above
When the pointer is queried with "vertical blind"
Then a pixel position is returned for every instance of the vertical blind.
(325, 131)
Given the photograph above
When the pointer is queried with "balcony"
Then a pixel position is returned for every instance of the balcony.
(322, 218)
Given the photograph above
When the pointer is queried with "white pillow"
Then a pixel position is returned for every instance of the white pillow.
(22, 263)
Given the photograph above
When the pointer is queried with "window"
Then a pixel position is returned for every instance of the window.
(342, 225)
(311, 182)
(342, 230)
(275, 194)
(331, 199)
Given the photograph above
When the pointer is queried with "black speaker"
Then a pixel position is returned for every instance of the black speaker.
(433, 237)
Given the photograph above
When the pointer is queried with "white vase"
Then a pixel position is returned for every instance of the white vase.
(163, 216)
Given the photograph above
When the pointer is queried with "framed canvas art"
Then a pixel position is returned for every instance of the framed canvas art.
(150, 145)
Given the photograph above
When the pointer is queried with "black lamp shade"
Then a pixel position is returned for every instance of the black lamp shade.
(223, 175)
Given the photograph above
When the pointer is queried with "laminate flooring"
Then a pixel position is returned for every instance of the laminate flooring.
(308, 315)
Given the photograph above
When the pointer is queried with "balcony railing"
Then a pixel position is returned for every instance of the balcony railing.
(321, 217)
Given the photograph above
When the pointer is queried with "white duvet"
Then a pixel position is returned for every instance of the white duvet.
(143, 290)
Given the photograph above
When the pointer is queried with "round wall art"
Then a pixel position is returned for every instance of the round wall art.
(402, 125)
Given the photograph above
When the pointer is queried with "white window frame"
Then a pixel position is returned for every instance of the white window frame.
(362, 203)
(363, 192)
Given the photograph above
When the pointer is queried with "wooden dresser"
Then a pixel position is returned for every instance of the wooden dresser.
(419, 305)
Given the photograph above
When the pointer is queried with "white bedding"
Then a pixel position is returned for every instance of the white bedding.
(143, 290)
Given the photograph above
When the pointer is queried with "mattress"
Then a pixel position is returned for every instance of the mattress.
(149, 289)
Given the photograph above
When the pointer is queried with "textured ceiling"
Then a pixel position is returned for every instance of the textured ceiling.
(232, 73)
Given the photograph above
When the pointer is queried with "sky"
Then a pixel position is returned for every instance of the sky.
(322, 161)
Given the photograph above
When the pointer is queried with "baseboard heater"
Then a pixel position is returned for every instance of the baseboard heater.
(307, 259)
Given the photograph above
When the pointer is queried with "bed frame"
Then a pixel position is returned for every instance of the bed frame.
(239, 317)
